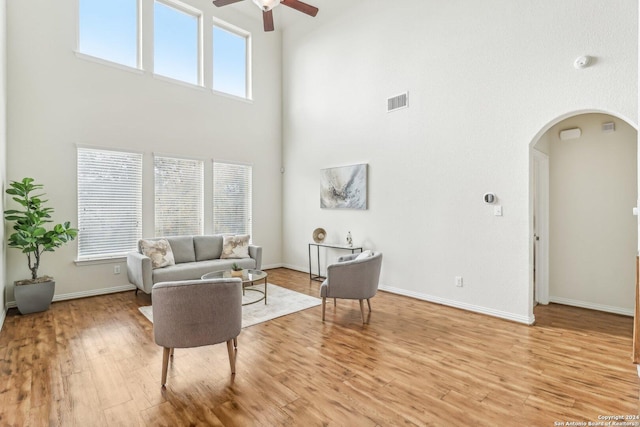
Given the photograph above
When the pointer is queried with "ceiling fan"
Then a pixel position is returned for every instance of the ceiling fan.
(267, 5)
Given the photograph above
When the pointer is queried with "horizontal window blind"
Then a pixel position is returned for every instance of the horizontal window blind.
(109, 202)
(178, 196)
(232, 186)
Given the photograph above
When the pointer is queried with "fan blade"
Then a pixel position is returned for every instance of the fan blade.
(224, 2)
(301, 7)
(267, 19)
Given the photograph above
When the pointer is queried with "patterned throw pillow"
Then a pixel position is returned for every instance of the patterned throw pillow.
(235, 247)
(159, 251)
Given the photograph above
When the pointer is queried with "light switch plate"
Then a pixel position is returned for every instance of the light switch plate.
(497, 210)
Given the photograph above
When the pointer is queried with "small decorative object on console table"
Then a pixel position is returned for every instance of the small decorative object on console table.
(318, 235)
(318, 277)
(236, 270)
(349, 239)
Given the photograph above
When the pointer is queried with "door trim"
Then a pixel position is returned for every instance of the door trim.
(540, 237)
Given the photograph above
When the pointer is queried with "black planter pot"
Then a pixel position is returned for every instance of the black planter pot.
(35, 297)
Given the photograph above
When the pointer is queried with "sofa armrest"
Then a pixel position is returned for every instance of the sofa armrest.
(255, 252)
(139, 271)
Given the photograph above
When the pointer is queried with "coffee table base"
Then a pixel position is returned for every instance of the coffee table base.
(249, 278)
(264, 293)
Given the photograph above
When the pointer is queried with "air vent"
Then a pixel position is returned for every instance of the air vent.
(398, 102)
(609, 127)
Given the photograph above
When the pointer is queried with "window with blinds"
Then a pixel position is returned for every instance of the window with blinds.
(178, 196)
(109, 202)
(232, 198)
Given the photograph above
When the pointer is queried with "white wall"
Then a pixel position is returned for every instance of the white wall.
(57, 100)
(593, 234)
(484, 78)
(3, 143)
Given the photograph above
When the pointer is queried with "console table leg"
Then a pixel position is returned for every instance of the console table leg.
(310, 275)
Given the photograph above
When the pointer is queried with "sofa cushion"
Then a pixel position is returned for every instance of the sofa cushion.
(235, 247)
(182, 247)
(195, 270)
(208, 247)
(158, 250)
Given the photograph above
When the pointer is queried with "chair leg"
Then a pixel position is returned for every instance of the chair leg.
(334, 302)
(324, 306)
(369, 304)
(362, 311)
(165, 364)
(235, 342)
(137, 291)
(172, 350)
(232, 356)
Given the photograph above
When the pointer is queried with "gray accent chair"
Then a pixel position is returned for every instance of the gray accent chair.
(195, 313)
(352, 279)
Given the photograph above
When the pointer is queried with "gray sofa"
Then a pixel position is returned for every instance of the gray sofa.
(194, 256)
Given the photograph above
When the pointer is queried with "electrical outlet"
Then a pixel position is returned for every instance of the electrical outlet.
(459, 281)
(116, 269)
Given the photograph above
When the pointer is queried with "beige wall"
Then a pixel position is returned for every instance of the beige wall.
(57, 100)
(593, 234)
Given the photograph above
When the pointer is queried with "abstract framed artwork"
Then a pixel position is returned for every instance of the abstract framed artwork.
(344, 187)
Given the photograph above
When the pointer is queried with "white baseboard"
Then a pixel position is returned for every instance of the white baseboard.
(296, 268)
(269, 266)
(461, 305)
(592, 306)
(451, 303)
(84, 294)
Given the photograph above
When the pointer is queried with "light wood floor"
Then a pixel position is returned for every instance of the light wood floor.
(93, 362)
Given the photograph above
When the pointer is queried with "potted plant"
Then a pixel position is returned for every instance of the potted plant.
(236, 270)
(33, 239)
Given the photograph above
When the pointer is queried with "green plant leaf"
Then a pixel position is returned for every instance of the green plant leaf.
(30, 235)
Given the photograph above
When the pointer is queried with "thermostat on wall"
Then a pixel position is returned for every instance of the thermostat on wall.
(489, 197)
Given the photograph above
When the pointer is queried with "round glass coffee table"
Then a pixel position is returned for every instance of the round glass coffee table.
(249, 277)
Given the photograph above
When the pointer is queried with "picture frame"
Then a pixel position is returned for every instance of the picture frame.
(344, 187)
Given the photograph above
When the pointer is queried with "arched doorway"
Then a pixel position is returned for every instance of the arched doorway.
(584, 236)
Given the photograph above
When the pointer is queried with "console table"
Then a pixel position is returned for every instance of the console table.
(318, 277)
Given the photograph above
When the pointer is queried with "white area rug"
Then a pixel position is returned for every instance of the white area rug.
(280, 302)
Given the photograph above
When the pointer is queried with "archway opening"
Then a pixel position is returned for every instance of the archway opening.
(584, 234)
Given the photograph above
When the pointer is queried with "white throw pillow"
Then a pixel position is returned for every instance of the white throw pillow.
(159, 251)
(365, 254)
(235, 247)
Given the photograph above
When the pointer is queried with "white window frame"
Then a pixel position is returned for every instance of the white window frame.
(158, 231)
(249, 225)
(107, 62)
(113, 202)
(216, 22)
(196, 13)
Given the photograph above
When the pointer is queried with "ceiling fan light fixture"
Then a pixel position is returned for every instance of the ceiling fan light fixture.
(266, 5)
